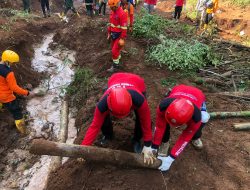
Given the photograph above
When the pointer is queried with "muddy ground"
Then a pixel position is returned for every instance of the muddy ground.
(224, 163)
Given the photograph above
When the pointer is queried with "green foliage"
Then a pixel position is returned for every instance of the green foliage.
(241, 3)
(84, 81)
(148, 26)
(180, 54)
(169, 82)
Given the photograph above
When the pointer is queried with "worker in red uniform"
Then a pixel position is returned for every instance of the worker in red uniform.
(129, 10)
(183, 108)
(117, 31)
(8, 87)
(125, 92)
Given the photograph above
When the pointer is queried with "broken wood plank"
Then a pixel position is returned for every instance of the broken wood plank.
(241, 126)
(216, 115)
(91, 154)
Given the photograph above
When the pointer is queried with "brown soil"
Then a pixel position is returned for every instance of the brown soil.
(224, 163)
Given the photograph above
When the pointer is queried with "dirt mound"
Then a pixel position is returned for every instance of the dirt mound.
(222, 164)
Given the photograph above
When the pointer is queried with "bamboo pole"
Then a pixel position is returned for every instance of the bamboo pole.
(215, 115)
(241, 126)
(63, 134)
(91, 154)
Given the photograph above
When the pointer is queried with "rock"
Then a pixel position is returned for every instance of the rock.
(13, 185)
(22, 167)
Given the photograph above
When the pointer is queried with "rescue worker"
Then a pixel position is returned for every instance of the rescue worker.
(183, 108)
(149, 5)
(8, 87)
(103, 6)
(45, 4)
(125, 92)
(69, 5)
(178, 8)
(26, 6)
(117, 31)
(211, 8)
(89, 7)
(129, 10)
(200, 14)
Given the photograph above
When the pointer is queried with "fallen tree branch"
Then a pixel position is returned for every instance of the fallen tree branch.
(238, 95)
(211, 72)
(90, 153)
(241, 126)
(215, 115)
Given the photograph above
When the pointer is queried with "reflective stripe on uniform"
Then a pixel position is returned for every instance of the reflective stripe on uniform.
(118, 26)
(116, 61)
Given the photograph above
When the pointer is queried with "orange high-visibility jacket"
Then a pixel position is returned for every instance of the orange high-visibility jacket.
(118, 22)
(8, 85)
(215, 7)
(130, 13)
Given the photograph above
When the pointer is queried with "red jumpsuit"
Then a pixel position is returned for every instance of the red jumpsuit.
(117, 29)
(197, 97)
(136, 87)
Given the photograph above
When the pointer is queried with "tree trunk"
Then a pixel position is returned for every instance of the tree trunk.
(241, 126)
(91, 154)
(214, 115)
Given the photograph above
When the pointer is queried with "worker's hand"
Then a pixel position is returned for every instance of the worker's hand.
(31, 94)
(108, 38)
(165, 163)
(148, 155)
(131, 29)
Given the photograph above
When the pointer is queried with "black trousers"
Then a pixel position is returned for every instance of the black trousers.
(26, 5)
(208, 18)
(107, 128)
(69, 8)
(177, 12)
(14, 108)
(104, 8)
(45, 4)
(197, 135)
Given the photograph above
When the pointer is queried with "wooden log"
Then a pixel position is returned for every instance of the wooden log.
(91, 154)
(241, 126)
(215, 115)
(56, 162)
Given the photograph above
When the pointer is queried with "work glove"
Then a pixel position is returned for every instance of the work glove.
(165, 163)
(108, 37)
(148, 155)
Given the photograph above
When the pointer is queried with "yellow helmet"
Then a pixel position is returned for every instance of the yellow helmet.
(10, 56)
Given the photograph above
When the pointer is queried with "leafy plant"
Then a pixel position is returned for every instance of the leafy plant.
(169, 82)
(148, 25)
(180, 54)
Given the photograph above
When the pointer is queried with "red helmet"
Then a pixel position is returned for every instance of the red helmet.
(119, 102)
(179, 112)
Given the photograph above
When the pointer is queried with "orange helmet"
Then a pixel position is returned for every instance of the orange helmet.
(119, 102)
(179, 112)
(113, 3)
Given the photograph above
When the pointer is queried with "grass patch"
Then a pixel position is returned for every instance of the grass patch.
(169, 82)
(84, 81)
(182, 55)
(241, 3)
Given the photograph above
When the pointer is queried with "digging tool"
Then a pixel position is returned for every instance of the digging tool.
(215, 115)
(91, 154)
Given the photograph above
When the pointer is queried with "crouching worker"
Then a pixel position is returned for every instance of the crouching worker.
(125, 93)
(8, 87)
(184, 108)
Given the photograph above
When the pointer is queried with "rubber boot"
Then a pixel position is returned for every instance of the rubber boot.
(113, 68)
(163, 150)
(49, 13)
(197, 143)
(20, 125)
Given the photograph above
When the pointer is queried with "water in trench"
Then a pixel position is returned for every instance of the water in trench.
(44, 112)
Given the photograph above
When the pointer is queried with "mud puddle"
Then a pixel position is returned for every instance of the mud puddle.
(44, 117)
